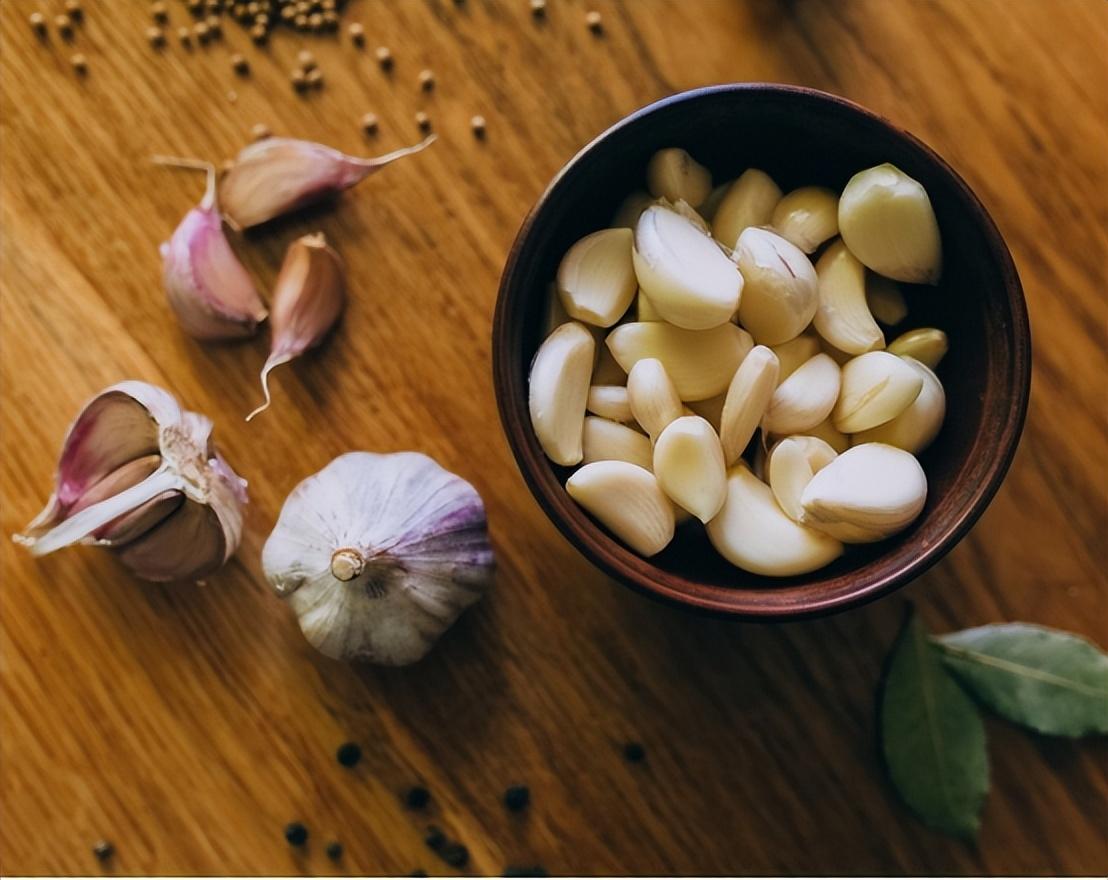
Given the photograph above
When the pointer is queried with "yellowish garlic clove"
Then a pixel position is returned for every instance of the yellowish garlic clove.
(644, 311)
(700, 362)
(867, 493)
(805, 399)
(915, 428)
(752, 532)
(790, 467)
(605, 440)
(673, 174)
(688, 462)
(596, 281)
(876, 388)
(826, 432)
(710, 206)
(308, 298)
(749, 201)
(690, 281)
(627, 501)
(746, 402)
(780, 287)
(884, 299)
(886, 219)
(652, 396)
(926, 344)
(843, 317)
(807, 217)
(710, 410)
(630, 209)
(558, 390)
(795, 353)
(610, 402)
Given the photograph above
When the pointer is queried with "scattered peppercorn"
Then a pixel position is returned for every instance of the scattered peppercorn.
(314, 78)
(477, 123)
(103, 850)
(348, 754)
(417, 797)
(434, 838)
(73, 9)
(455, 855)
(423, 121)
(215, 26)
(357, 34)
(260, 132)
(296, 834)
(64, 26)
(426, 80)
(239, 64)
(185, 36)
(159, 12)
(634, 752)
(298, 79)
(38, 23)
(594, 21)
(384, 57)
(369, 123)
(517, 797)
(156, 36)
(80, 64)
(201, 31)
(334, 850)
(538, 8)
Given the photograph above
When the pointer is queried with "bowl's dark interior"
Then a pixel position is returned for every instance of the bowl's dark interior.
(799, 138)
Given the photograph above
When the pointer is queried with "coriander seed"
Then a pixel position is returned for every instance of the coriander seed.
(240, 65)
(159, 12)
(306, 60)
(201, 31)
(80, 64)
(185, 36)
(314, 78)
(64, 26)
(369, 123)
(538, 8)
(357, 34)
(298, 79)
(103, 850)
(426, 80)
(155, 36)
(594, 21)
(384, 57)
(315, 21)
(73, 9)
(423, 121)
(38, 23)
(215, 26)
(477, 123)
(259, 34)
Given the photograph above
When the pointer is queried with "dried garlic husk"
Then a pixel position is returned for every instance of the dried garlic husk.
(308, 298)
(605, 440)
(805, 399)
(780, 287)
(628, 502)
(790, 467)
(807, 217)
(378, 555)
(138, 475)
(558, 390)
(926, 344)
(843, 317)
(915, 428)
(277, 175)
(596, 281)
(749, 201)
(673, 174)
(876, 388)
(688, 462)
(207, 287)
(747, 398)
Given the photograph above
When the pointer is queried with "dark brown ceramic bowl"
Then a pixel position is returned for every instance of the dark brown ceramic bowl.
(799, 136)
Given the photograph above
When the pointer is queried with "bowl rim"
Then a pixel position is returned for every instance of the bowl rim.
(1007, 433)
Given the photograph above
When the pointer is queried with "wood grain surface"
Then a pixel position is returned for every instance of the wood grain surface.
(187, 724)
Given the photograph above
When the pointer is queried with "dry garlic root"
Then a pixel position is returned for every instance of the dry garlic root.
(726, 340)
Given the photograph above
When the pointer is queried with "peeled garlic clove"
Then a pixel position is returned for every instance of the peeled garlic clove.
(843, 317)
(795, 353)
(605, 440)
(688, 462)
(791, 465)
(915, 428)
(688, 212)
(644, 311)
(689, 280)
(627, 501)
(558, 390)
(805, 399)
(749, 201)
(130, 463)
(887, 221)
(876, 387)
(926, 344)
(207, 287)
(308, 298)
(884, 299)
(652, 396)
(630, 209)
(700, 362)
(276, 175)
(780, 287)
(596, 281)
(867, 493)
(674, 174)
(807, 217)
(752, 532)
(609, 401)
(827, 432)
(747, 399)
(711, 410)
(379, 554)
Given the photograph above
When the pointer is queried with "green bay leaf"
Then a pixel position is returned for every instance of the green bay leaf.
(1050, 681)
(932, 737)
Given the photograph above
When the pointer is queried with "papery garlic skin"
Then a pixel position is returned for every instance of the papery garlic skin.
(749, 201)
(379, 554)
(807, 217)
(139, 475)
(780, 289)
(673, 174)
(596, 281)
(915, 428)
(558, 391)
(277, 175)
(627, 501)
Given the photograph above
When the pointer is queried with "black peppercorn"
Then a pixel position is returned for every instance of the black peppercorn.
(434, 839)
(634, 752)
(417, 797)
(296, 834)
(103, 850)
(334, 850)
(517, 797)
(455, 855)
(348, 754)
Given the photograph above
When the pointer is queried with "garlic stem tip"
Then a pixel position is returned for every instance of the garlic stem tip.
(347, 564)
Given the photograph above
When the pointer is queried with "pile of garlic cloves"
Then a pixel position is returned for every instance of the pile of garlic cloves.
(711, 323)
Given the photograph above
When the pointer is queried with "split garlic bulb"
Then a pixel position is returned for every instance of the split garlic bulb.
(379, 554)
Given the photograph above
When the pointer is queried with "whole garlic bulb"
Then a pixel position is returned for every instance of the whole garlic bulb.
(379, 554)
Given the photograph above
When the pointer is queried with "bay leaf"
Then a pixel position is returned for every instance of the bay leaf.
(932, 737)
(1051, 681)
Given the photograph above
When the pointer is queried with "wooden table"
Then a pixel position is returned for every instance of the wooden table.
(188, 724)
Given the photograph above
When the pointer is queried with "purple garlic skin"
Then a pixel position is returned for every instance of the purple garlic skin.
(138, 475)
(278, 175)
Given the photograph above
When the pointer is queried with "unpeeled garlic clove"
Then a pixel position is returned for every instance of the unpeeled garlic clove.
(747, 399)
(700, 362)
(207, 287)
(652, 396)
(688, 462)
(886, 219)
(915, 428)
(673, 174)
(884, 299)
(558, 390)
(749, 201)
(752, 532)
(876, 388)
(843, 317)
(274, 176)
(795, 353)
(780, 287)
(926, 344)
(630, 209)
(807, 217)
(805, 399)
(605, 440)
(866, 494)
(627, 501)
(308, 298)
(791, 465)
(596, 281)
(610, 402)
(689, 280)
